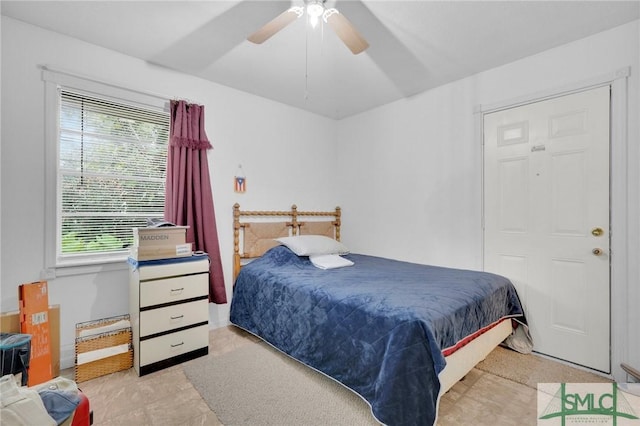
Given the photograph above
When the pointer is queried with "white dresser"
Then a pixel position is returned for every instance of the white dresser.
(168, 306)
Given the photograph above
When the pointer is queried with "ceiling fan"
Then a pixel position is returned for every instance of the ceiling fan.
(315, 10)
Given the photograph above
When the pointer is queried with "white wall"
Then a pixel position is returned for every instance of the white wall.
(411, 170)
(410, 174)
(407, 175)
(288, 156)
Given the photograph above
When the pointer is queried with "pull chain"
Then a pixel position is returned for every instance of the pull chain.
(321, 37)
(306, 62)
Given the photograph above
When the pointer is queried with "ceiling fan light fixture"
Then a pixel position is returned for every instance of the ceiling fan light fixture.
(314, 10)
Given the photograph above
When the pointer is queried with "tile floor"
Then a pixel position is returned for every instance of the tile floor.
(168, 398)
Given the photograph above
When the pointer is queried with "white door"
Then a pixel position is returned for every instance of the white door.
(546, 213)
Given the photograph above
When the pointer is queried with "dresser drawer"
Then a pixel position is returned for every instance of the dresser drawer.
(172, 269)
(174, 289)
(174, 344)
(175, 316)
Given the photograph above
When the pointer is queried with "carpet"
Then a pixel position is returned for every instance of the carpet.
(258, 385)
(255, 384)
(532, 369)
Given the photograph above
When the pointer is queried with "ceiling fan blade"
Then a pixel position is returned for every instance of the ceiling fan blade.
(345, 30)
(275, 25)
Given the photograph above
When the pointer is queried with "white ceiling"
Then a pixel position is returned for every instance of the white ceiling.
(414, 45)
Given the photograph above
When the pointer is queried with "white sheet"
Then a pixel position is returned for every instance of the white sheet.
(329, 261)
(90, 356)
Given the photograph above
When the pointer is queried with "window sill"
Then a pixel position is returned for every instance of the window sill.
(111, 265)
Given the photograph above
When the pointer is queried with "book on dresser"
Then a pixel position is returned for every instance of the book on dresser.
(169, 310)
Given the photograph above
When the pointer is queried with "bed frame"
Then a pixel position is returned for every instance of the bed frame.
(252, 238)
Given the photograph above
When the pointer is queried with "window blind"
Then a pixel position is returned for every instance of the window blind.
(111, 172)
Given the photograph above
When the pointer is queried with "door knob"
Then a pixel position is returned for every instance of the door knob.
(597, 251)
(596, 232)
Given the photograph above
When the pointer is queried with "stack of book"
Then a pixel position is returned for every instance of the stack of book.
(163, 242)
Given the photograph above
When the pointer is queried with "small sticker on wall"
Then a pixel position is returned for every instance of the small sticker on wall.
(240, 181)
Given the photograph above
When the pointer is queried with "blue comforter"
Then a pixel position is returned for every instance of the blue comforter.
(378, 327)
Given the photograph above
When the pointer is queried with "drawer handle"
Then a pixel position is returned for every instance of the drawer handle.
(177, 344)
(178, 317)
(176, 290)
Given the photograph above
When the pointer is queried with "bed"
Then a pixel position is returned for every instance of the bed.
(398, 334)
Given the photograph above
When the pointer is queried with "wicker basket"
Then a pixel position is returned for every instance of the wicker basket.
(108, 365)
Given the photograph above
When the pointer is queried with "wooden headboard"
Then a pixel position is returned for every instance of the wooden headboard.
(254, 231)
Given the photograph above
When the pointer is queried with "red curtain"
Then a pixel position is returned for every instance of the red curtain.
(188, 197)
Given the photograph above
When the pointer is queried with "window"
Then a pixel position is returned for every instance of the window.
(106, 158)
(111, 172)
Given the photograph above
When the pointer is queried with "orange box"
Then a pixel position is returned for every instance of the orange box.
(34, 319)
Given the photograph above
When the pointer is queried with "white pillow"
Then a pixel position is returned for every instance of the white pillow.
(307, 245)
(329, 261)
